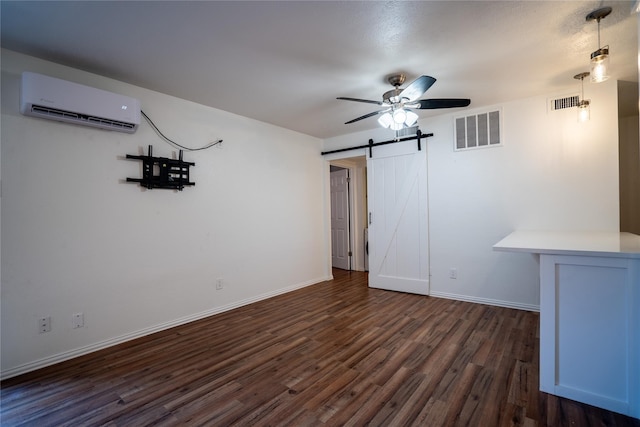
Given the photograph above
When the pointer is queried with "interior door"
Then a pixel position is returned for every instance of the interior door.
(340, 219)
(398, 222)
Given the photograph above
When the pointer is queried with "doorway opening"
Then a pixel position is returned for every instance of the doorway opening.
(348, 189)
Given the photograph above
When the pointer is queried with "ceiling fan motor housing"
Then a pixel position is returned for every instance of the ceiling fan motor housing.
(392, 96)
(396, 79)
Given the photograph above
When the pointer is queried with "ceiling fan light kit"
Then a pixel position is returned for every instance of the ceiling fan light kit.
(398, 119)
(600, 57)
(398, 102)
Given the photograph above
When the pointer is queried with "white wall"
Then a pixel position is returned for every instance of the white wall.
(77, 238)
(552, 173)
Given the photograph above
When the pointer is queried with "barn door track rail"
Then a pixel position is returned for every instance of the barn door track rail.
(371, 144)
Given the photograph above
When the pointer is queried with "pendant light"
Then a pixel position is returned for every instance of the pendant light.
(583, 104)
(599, 58)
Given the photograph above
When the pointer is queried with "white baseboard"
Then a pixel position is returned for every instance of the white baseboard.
(487, 301)
(67, 355)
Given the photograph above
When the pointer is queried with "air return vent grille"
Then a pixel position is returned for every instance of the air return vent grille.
(478, 131)
(407, 132)
(562, 103)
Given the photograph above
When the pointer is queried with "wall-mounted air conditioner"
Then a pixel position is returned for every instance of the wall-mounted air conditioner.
(56, 99)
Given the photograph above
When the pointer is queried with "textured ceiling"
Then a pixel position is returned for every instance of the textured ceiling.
(286, 62)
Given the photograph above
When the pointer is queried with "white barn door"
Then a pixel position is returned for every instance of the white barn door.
(398, 223)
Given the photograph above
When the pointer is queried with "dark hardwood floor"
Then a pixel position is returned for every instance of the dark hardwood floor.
(336, 353)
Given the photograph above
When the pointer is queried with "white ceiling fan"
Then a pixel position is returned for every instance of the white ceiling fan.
(398, 102)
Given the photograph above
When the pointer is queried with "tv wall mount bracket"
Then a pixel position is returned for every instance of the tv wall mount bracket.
(162, 172)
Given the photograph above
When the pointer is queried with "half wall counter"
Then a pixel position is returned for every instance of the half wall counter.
(589, 315)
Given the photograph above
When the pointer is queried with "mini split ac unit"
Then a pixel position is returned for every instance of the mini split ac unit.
(56, 99)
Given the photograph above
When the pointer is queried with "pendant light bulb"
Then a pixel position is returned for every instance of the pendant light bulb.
(584, 105)
(399, 116)
(412, 118)
(599, 58)
(397, 126)
(385, 120)
(600, 65)
(584, 113)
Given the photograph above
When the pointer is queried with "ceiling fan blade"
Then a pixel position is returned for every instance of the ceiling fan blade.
(432, 104)
(417, 87)
(360, 100)
(366, 116)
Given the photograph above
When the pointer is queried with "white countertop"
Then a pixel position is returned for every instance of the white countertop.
(582, 243)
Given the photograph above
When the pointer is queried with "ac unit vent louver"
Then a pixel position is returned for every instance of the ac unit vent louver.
(562, 103)
(46, 112)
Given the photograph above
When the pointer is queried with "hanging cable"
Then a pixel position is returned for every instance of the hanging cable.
(172, 142)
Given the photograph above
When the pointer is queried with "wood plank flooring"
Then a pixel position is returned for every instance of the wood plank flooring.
(335, 354)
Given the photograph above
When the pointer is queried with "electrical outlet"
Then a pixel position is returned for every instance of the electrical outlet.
(77, 320)
(44, 324)
(219, 284)
(453, 273)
